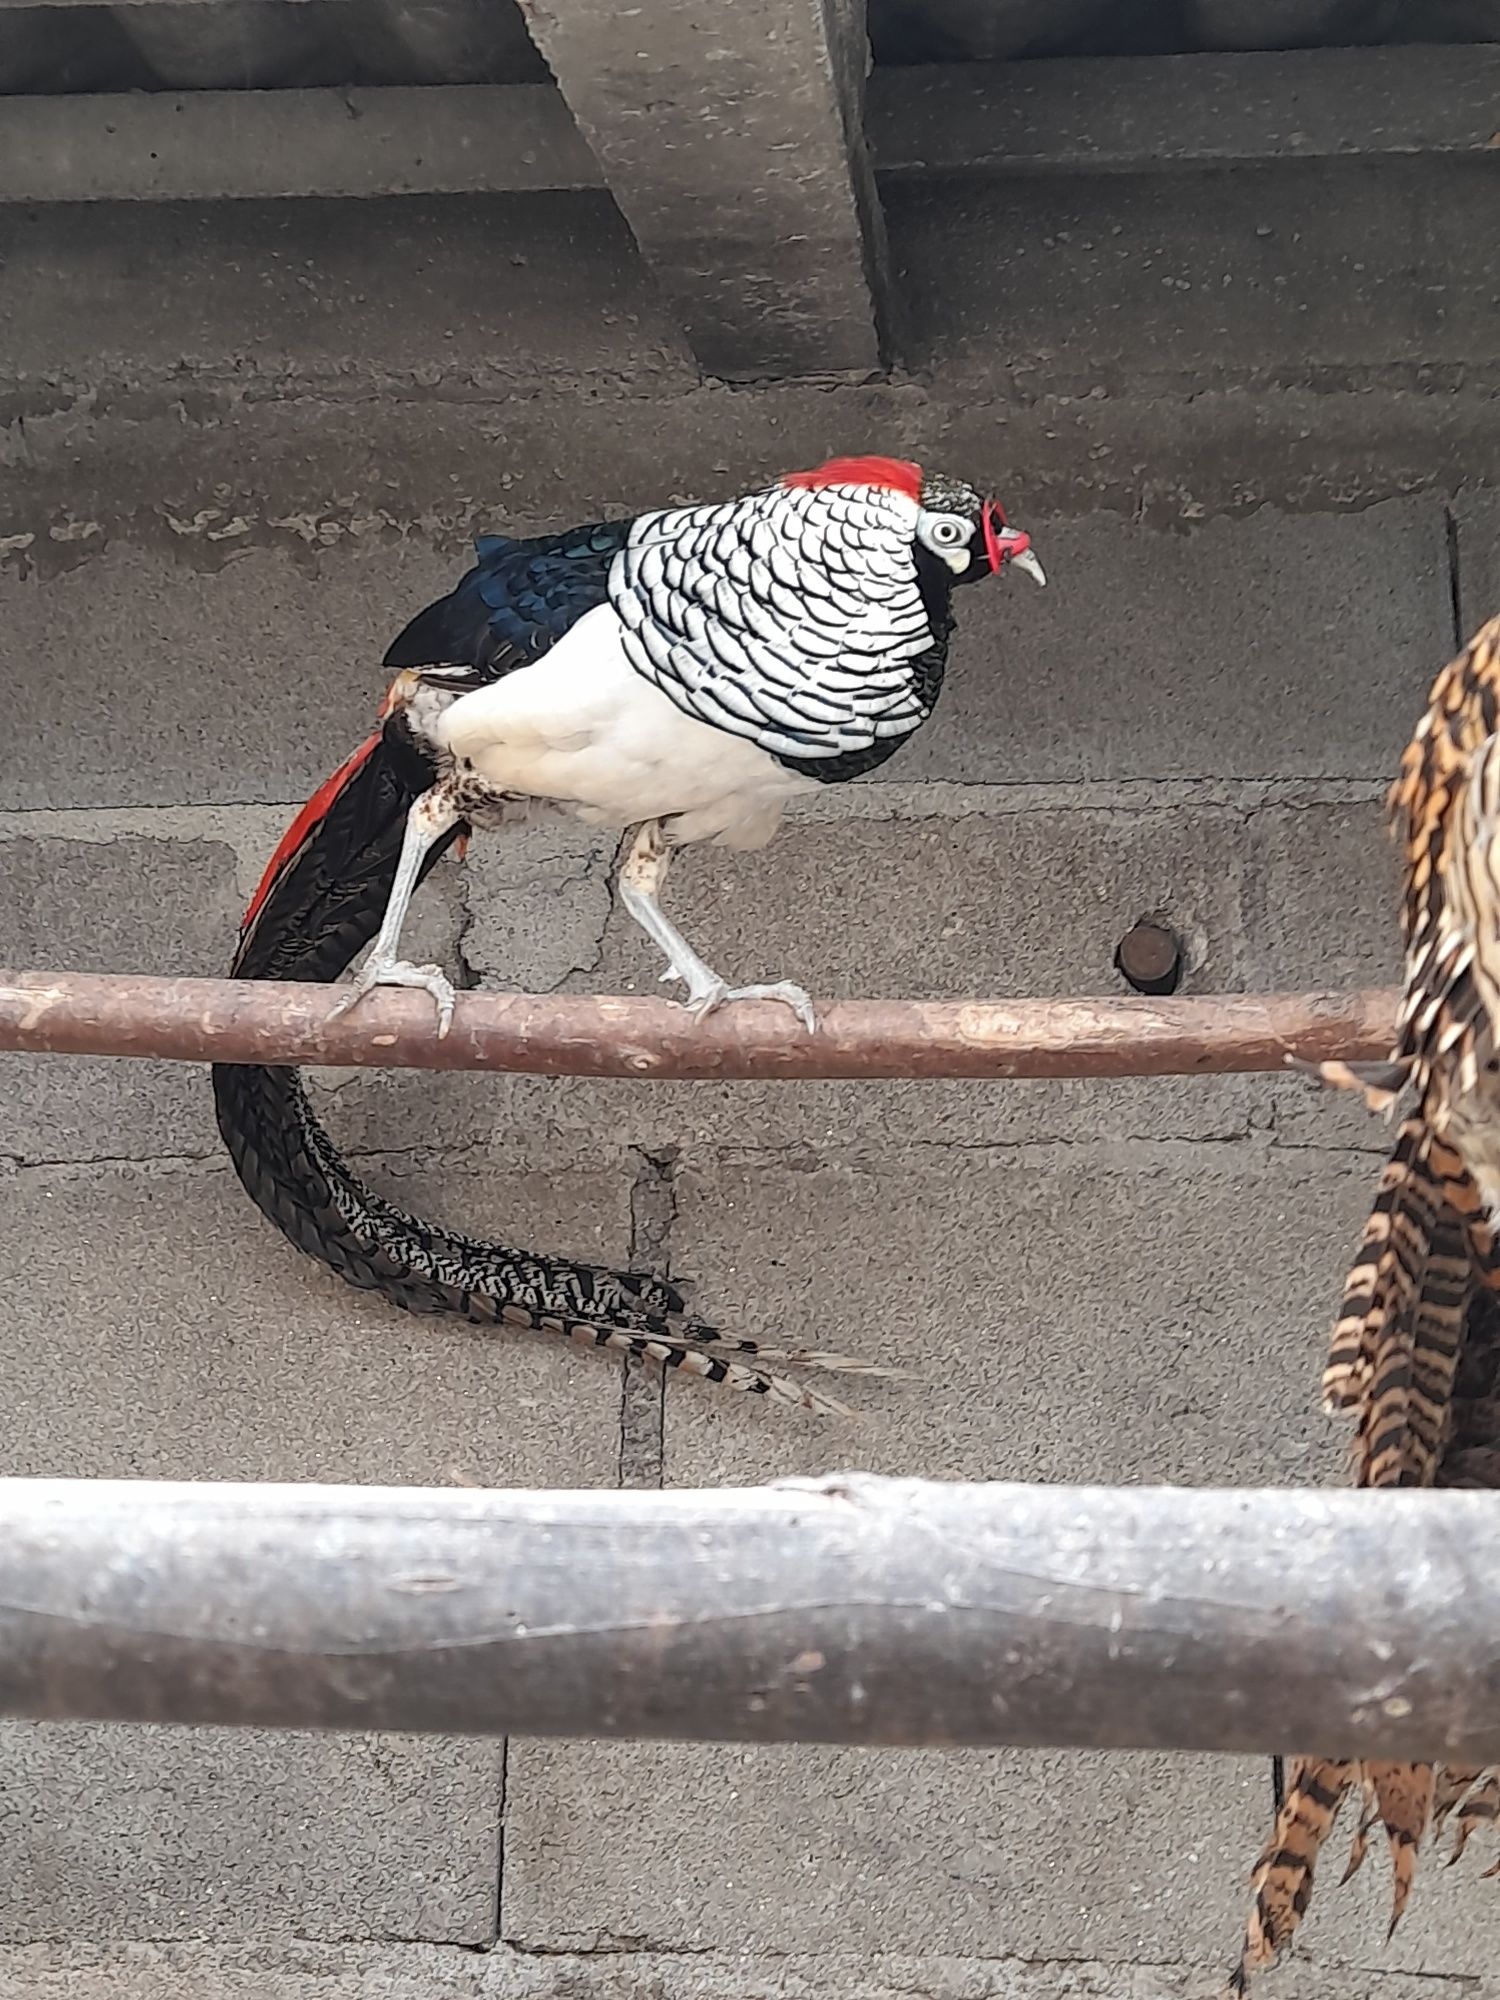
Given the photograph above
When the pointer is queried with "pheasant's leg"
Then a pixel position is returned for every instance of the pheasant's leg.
(429, 819)
(642, 874)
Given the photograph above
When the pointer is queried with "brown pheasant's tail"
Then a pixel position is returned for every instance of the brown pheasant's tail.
(1415, 1355)
(1394, 1362)
(1380, 1084)
(319, 904)
(1282, 1879)
(1395, 1345)
(1409, 1800)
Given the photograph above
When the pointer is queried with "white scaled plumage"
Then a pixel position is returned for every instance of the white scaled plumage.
(790, 618)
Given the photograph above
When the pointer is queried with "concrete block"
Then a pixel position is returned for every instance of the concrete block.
(118, 903)
(1323, 908)
(1319, 276)
(1117, 1313)
(162, 894)
(1478, 512)
(122, 904)
(539, 898)
(151, 1324)
(398, 1971)
(479, 292)
(1072, 1313)
(943, 906)
(1273, 646)
(143, 677)
(200, 1313)
(164, 1833)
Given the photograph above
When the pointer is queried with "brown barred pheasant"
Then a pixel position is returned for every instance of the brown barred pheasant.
(1415, 1354)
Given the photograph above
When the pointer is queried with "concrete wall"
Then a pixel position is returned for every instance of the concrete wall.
(1249, 420)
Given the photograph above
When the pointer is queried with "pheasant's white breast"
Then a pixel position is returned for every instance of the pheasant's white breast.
(582, 729)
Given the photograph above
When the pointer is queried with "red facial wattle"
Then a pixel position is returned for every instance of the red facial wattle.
(992, 519)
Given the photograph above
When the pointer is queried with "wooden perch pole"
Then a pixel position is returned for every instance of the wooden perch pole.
(844, 1609)
(231, 1021)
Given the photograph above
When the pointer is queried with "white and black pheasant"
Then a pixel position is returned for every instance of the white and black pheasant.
(686, 673)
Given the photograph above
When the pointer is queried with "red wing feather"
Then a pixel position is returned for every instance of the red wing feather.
(306, 824)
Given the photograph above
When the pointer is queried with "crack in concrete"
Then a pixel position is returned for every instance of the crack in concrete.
(22, 1163)
(502, 1803)
(888, 1972)
(616, 1944)
(146, 814)
(1254, 1140)
(201, 396)
(913, 801)
(653, 1212)
(1455, 585)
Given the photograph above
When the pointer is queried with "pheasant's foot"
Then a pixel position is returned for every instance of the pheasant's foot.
(705, 995)
(377, 971)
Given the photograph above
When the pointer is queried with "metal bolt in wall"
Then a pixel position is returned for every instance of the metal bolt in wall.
(1149, 958)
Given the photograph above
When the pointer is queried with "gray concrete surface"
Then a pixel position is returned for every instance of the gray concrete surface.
(1296, 278)
(1092, 117)
(739, 161)
(1221, 649)
(417, 1972)
(155, 1326)
(218, 133)
(268, 292)
(246, 144)
(1478, 516)
(239, 450)
(1013, 1282)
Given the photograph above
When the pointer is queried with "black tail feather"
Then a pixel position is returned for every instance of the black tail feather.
(321, 907)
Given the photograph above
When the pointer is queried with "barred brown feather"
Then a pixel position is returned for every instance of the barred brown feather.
(1415, 1352)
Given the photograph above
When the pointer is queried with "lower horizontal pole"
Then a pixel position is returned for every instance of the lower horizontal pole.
(844, 1609)
(208, 1020)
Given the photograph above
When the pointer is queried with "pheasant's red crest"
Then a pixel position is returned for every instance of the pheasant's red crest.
(899, 474)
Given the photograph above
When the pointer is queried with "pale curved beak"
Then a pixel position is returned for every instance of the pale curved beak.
(1003, 543)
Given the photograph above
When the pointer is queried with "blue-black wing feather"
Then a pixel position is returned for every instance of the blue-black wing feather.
(517, 601)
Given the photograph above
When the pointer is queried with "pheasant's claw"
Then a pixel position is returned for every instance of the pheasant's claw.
(704, 999)
(703, 995)
(399, 972)
(795, 997)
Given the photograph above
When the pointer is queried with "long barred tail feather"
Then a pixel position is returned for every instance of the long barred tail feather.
(319, 903)
(1282, 1880)
(1478, 1808)
(1380, 1084)
(1393, 1360)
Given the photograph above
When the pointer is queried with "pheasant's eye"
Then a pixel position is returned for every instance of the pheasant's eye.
(947, 532)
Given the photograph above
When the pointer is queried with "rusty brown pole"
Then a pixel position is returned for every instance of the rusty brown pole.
(229, 1021)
